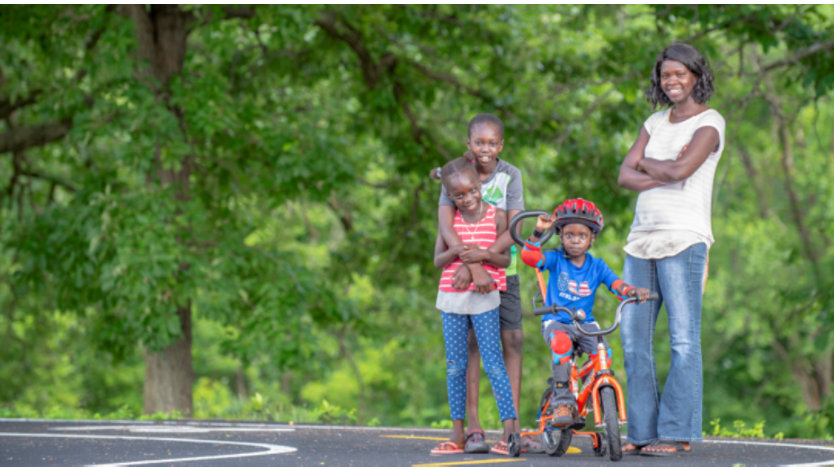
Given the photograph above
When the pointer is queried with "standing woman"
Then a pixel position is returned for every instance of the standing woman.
(672, 166)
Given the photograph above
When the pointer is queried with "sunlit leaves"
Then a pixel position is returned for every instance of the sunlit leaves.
(304, 245)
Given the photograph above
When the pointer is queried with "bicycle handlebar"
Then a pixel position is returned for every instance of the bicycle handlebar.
(526, 214)
(576, 318)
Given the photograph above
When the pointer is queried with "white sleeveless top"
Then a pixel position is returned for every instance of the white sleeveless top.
(671, 218)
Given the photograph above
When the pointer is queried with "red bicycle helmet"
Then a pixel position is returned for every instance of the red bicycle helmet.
(578, 211)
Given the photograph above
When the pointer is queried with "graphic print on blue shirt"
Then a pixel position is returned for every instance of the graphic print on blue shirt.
(563, 281)
(574, 287)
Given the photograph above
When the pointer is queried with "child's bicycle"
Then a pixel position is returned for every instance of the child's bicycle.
(600, 392)
(596, 390)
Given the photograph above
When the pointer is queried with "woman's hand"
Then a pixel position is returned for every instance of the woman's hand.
(704, 141)
(631, 176)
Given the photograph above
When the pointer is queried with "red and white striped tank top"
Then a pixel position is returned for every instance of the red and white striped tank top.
(483, 234)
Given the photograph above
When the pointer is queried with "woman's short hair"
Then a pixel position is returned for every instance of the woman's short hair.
(694, 61)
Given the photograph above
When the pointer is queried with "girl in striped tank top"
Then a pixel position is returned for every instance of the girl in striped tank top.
(478, 224)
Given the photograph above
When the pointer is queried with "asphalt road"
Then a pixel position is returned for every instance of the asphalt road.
(46, 443)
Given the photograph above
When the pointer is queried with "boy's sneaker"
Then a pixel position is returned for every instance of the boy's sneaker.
(563, 415)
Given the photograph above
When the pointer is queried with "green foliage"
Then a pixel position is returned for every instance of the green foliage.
(302, 241)
(740, 429)
(329, 414)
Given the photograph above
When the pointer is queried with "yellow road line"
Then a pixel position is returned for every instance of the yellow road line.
(571, 449)
(426, 438)
(467, 462)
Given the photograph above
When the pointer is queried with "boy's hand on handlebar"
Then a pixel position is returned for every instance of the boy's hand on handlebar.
(544, 222)
(641, 293)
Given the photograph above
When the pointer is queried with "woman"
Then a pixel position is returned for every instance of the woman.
(672, 166)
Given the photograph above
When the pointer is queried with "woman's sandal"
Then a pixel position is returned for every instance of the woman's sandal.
(670, 448)
(631, 449)
(476, 442)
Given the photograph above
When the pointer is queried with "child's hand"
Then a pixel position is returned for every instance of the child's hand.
(473, 254)
(462, 278)
(544, 222)
(458, 249)
(483, 281)
(641, 293)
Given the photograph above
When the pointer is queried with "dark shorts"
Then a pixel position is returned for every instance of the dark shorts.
(510, 309)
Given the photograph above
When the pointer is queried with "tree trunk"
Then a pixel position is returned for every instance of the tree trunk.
(161, 33)
(169, 374)
(812, 373)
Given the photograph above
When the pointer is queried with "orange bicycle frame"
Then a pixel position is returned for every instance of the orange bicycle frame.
(598, 367)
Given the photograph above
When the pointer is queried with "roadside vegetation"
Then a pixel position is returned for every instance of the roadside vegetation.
(224, 212)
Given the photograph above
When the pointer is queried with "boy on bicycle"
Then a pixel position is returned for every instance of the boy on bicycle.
(574, 277)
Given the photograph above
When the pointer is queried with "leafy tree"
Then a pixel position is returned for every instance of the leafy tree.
(257, 176)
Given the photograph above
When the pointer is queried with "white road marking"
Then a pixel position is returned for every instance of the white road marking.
(270, 449)
(186, 429)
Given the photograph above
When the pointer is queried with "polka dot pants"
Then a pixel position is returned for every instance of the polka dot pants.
(487, 331)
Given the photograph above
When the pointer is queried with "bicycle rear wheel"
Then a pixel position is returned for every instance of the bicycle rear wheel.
(611, 419)
(557, 442)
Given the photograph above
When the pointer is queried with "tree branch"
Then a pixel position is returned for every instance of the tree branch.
(237, 11)
(343, 31)
(797, 209)
(801, 54)
(453, 80)
(52, 179)
(19, 139)
(753, 174)
(372, 72)
(7, 107)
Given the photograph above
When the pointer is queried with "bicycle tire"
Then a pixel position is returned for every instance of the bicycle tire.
(611, 419)
(599, 449)
(557, 441)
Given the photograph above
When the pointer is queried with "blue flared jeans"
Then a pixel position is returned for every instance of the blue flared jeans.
(676, 413)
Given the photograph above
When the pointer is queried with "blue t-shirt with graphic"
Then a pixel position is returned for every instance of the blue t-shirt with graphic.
(574, 287)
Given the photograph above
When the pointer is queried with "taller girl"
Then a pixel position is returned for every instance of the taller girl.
(672, 166)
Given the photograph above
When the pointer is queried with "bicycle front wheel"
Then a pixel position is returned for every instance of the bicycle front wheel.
(611, 419)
